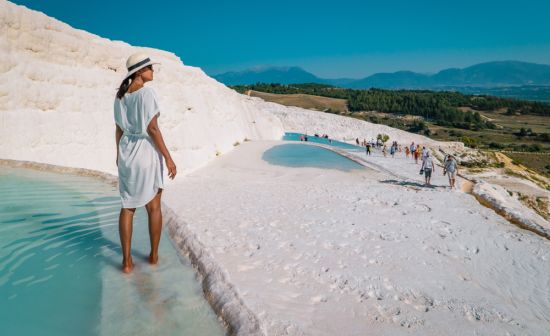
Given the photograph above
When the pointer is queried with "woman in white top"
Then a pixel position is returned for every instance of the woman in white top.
(428, 167)
(140, 149)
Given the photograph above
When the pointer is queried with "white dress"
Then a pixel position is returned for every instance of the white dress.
(140, 168)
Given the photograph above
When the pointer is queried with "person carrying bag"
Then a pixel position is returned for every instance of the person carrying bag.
(427, 167)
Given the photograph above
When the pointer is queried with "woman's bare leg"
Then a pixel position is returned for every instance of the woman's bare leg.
(125, 222)
(155, 226)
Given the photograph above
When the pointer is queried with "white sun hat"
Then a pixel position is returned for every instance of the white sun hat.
(136, 62)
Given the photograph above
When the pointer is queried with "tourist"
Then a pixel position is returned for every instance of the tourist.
(428, 167)
(451, 169)
(416, 154)
(384, 151)
(368, 146)
(424, 152)
(412, 147)
(392, 150)
(140, 149)
(407, 152)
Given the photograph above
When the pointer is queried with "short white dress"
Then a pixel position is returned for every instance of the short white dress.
(140, 165)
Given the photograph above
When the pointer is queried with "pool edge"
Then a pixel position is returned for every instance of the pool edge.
(218, 291)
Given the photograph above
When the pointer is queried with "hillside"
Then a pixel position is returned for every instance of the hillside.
(309, 102)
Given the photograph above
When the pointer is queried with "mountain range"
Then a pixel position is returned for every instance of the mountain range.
(483, 75)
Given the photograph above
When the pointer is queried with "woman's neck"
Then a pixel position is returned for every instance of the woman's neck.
(135, 85)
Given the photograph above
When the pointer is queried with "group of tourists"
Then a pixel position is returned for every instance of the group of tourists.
(450, 167)
(415, 151)
(420, 154)
(371, 143)
(303, 137)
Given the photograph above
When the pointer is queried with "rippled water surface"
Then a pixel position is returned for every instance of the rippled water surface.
(60, 265)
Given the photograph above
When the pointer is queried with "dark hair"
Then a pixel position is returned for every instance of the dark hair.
(123, 88)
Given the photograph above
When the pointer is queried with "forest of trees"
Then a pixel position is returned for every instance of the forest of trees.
(438, 107)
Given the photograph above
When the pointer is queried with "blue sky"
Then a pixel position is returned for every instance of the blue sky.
(328, 38)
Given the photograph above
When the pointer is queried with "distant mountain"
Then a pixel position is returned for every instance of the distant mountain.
(495, 74)
(395, 80)
(484, 75)
(281, 75)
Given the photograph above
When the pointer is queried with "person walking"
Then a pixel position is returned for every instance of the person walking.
(428, 167)
(368, 145)
(140, 149)
(424, 152)
(451, 169)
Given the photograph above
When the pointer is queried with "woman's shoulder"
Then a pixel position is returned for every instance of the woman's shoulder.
(143, 91)
(148, 92)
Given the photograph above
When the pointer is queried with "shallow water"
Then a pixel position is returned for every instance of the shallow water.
(60, 265)
(301, 155)
(296, 137)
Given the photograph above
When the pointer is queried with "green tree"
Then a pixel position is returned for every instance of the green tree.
(383, 137)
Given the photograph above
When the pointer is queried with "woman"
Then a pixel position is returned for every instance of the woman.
(140, 148)
(451, 169)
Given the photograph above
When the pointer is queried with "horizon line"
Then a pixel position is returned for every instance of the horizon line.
(267, 66)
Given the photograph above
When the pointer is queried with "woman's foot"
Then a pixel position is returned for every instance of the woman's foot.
(127, 265)
(153, 258)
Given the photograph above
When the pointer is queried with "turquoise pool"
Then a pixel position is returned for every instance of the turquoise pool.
(60, 265)
(296, 137)
(302, 155)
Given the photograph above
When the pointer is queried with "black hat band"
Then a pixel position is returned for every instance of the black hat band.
(137, 65)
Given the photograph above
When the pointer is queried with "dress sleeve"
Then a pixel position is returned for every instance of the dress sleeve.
(150, 106)
(117, 112)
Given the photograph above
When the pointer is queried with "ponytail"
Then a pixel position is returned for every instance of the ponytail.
(123, 88)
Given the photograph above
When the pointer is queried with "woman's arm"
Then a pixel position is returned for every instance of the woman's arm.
(154, 132)
(118, 135)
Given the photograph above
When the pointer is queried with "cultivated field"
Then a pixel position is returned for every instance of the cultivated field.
(305, 101)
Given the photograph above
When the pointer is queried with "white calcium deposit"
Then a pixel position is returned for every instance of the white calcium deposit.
(282, 251)
(57, 87)
(300, 120)
(323, 252)
(501, 200)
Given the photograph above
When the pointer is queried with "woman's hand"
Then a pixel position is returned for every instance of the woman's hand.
(171, 168)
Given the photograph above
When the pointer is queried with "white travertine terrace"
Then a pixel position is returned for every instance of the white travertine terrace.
(281, 251)
(57, 86)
